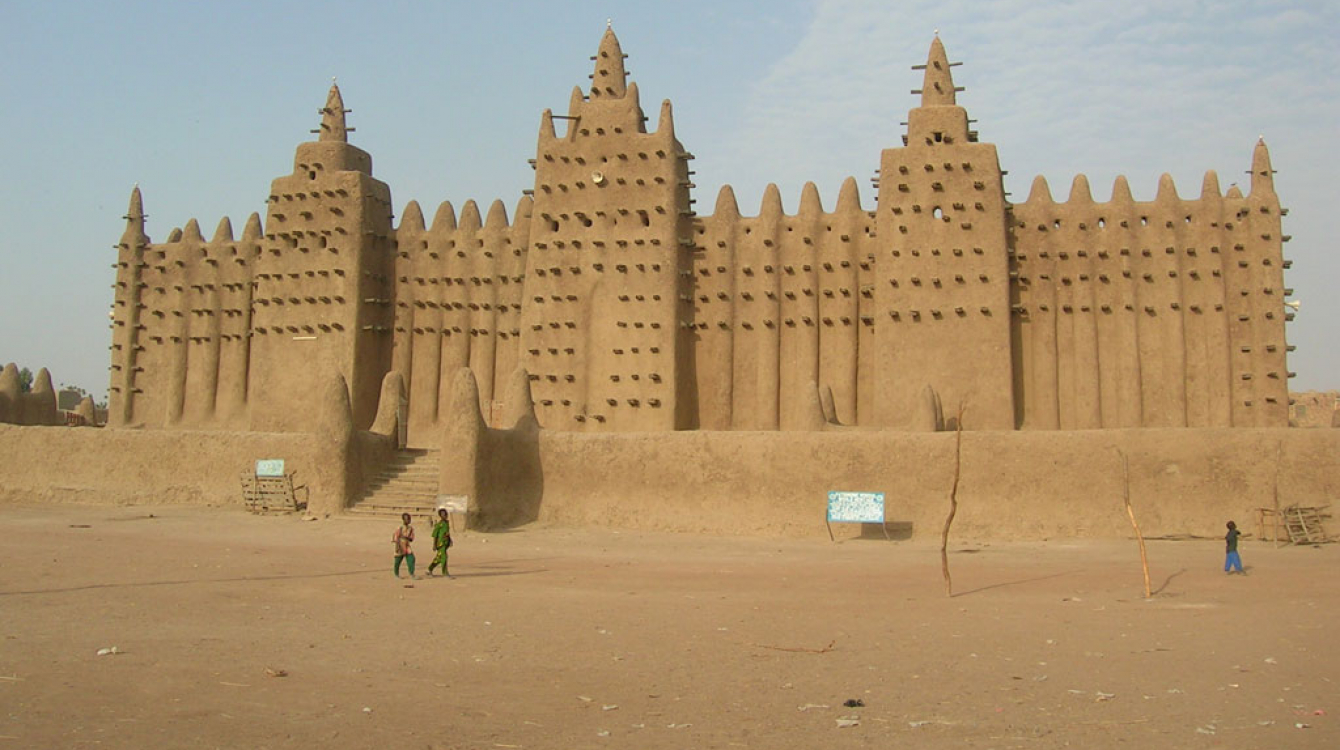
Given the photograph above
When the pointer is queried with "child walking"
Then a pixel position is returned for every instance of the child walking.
(441, 543)
(403, 538)
(1232, 562)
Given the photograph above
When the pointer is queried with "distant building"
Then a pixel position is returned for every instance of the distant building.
(633, 312)
(67, 399)
(1314, 409)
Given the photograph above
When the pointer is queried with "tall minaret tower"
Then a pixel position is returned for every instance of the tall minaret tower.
(607, 333)
(322, 282)
(1257, 303)
(942, 266)
(125, 317)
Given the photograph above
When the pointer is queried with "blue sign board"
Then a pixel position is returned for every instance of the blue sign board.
(856, 507)
(270, 467)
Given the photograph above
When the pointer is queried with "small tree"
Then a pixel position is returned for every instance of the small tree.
(25, 380)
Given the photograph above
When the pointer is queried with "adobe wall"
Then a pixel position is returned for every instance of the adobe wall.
(606, 323)
(1314, 409)
(632, 313)
(942, 287)
(323, 281)
(1021, 485)
(133, 467)
(224, 333)
(160, 467)
(779, 307)
(36, 407)
(458, 301)
(1162, 313)
(181, 326)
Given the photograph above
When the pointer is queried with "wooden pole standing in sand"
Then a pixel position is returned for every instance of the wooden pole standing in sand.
(1126, 494)
(953, 501)
(1279, 459)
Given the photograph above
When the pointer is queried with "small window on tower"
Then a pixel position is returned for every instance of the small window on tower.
(939, 137)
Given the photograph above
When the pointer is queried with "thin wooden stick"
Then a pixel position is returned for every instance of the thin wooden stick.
(953, 501)
(1279, 458)
(1126, 494)
(799, 649)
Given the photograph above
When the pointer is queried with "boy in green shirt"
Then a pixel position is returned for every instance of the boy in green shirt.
(441, 541)
(1232, 561)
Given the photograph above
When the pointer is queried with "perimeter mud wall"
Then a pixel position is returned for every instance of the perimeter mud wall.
(1014, 485)
(158, 467)
(1020, 485)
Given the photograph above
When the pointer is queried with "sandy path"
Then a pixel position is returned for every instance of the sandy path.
(556, 638)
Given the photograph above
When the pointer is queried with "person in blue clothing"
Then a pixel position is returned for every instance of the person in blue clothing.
(1232, 561)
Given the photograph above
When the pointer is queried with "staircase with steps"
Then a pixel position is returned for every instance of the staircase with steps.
(408, 484)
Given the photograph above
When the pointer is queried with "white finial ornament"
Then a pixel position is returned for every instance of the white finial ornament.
(609, 23)
(937, 32)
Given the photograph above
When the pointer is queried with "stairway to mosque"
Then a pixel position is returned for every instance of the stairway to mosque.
(407, 484)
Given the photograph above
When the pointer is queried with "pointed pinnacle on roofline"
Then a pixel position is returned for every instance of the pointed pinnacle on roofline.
(609, 79)
(333, 126)
(937, 88)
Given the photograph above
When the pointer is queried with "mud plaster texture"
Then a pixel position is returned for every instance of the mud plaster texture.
(36, 407)
(138, 467)
(721, 372)
(1013, 486)
(1314, 409)
(632, 312)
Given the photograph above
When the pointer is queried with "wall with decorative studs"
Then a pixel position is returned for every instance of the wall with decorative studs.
(631, 312)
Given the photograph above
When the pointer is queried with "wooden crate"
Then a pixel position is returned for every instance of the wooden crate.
(265, 494)
(1305, 524)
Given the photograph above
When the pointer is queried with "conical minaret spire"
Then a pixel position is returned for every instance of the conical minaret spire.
(937, 87)
(938, 118)
(332, 118)
(1263, 176)
(134, 234)
(610, 79)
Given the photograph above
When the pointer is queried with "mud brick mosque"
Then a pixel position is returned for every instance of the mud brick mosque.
(631, 311)
(607, 355)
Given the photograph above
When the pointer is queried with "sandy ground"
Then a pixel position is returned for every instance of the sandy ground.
(557, 638)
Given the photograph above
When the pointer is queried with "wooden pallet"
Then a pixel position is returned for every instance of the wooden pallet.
(1305, 524)
(265, 494)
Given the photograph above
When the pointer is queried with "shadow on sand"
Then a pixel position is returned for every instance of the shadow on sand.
(1167, 581)
(1003, 584)
(256, 579)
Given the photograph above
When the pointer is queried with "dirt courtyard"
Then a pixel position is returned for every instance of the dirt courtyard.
(234, 631)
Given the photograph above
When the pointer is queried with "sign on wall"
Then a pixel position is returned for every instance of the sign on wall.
(856, 507)
(270, 467)
(453, 503)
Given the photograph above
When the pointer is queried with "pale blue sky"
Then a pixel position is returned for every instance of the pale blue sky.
(202, 104)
